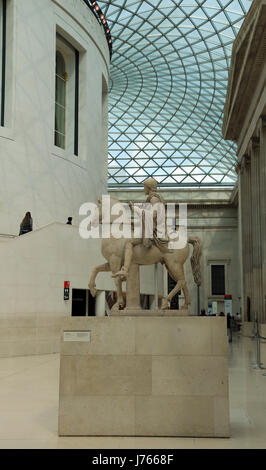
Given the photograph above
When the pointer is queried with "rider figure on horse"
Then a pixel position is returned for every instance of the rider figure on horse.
(153, 198)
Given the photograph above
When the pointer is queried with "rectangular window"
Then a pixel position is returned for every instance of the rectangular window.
(76, 123)
(3, 17)
(66, 96)
(218, 279)
(60, 100)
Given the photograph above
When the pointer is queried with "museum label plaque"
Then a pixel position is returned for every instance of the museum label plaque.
(78, 336)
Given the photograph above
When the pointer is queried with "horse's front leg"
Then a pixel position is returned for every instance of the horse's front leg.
(115, 264)
(99, 269)
(187, 298)
(120, 299)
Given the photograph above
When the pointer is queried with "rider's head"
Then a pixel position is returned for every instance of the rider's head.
(150, 185)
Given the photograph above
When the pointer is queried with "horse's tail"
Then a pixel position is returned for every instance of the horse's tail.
(195, 258)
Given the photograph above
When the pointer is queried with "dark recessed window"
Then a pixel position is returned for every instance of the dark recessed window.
(60, 101)
(218, 279)
(66, 96)
(83, 304)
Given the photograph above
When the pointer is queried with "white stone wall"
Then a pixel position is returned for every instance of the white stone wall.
(37, 264)
(32, 274)
(49, 182)
(35, 175)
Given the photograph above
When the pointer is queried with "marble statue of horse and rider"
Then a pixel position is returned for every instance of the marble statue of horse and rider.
(124, 257)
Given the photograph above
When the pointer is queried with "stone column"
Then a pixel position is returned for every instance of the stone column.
(133, 288)
(156, 286)
(246, 233)
(239, 172)
(256, 303)
(248, 210)
(100, 304)
(262, 160)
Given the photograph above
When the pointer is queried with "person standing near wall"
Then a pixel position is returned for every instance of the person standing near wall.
(26, 224)
(229, 327)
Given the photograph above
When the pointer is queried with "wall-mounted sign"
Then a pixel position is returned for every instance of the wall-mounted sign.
(214, 308)
(228, 308)
(66, 290)
(77, 336)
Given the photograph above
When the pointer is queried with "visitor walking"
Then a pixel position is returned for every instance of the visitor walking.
(229, 327)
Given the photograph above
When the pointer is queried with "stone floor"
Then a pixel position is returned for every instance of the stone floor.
(29, 407)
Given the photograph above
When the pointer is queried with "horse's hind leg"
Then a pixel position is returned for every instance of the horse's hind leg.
(187, 297)
(176, 271)
(99, 269)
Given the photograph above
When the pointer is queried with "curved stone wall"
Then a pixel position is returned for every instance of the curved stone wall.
(36, 175)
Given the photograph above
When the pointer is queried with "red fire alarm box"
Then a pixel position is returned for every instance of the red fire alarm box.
(66, 290)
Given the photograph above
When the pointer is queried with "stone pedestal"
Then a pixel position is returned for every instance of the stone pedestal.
(144, 376)
(127, 312)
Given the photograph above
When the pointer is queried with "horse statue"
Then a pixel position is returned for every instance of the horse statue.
(113, 250)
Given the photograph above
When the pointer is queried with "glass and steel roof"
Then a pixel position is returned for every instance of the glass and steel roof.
(169, 75)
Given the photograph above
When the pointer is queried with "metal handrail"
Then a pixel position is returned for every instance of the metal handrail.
(7, 235)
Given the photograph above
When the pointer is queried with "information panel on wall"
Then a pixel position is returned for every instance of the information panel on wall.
(66, 290)
(228, 305)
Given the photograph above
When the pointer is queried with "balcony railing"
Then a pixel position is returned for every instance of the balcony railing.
(96, 10)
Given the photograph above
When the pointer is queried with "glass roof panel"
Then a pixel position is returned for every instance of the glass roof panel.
(168, 87)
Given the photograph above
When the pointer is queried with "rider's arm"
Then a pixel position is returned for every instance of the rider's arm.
(135, 208)
(153, 202)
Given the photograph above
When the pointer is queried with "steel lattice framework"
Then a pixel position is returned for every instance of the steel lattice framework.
(168, 86)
